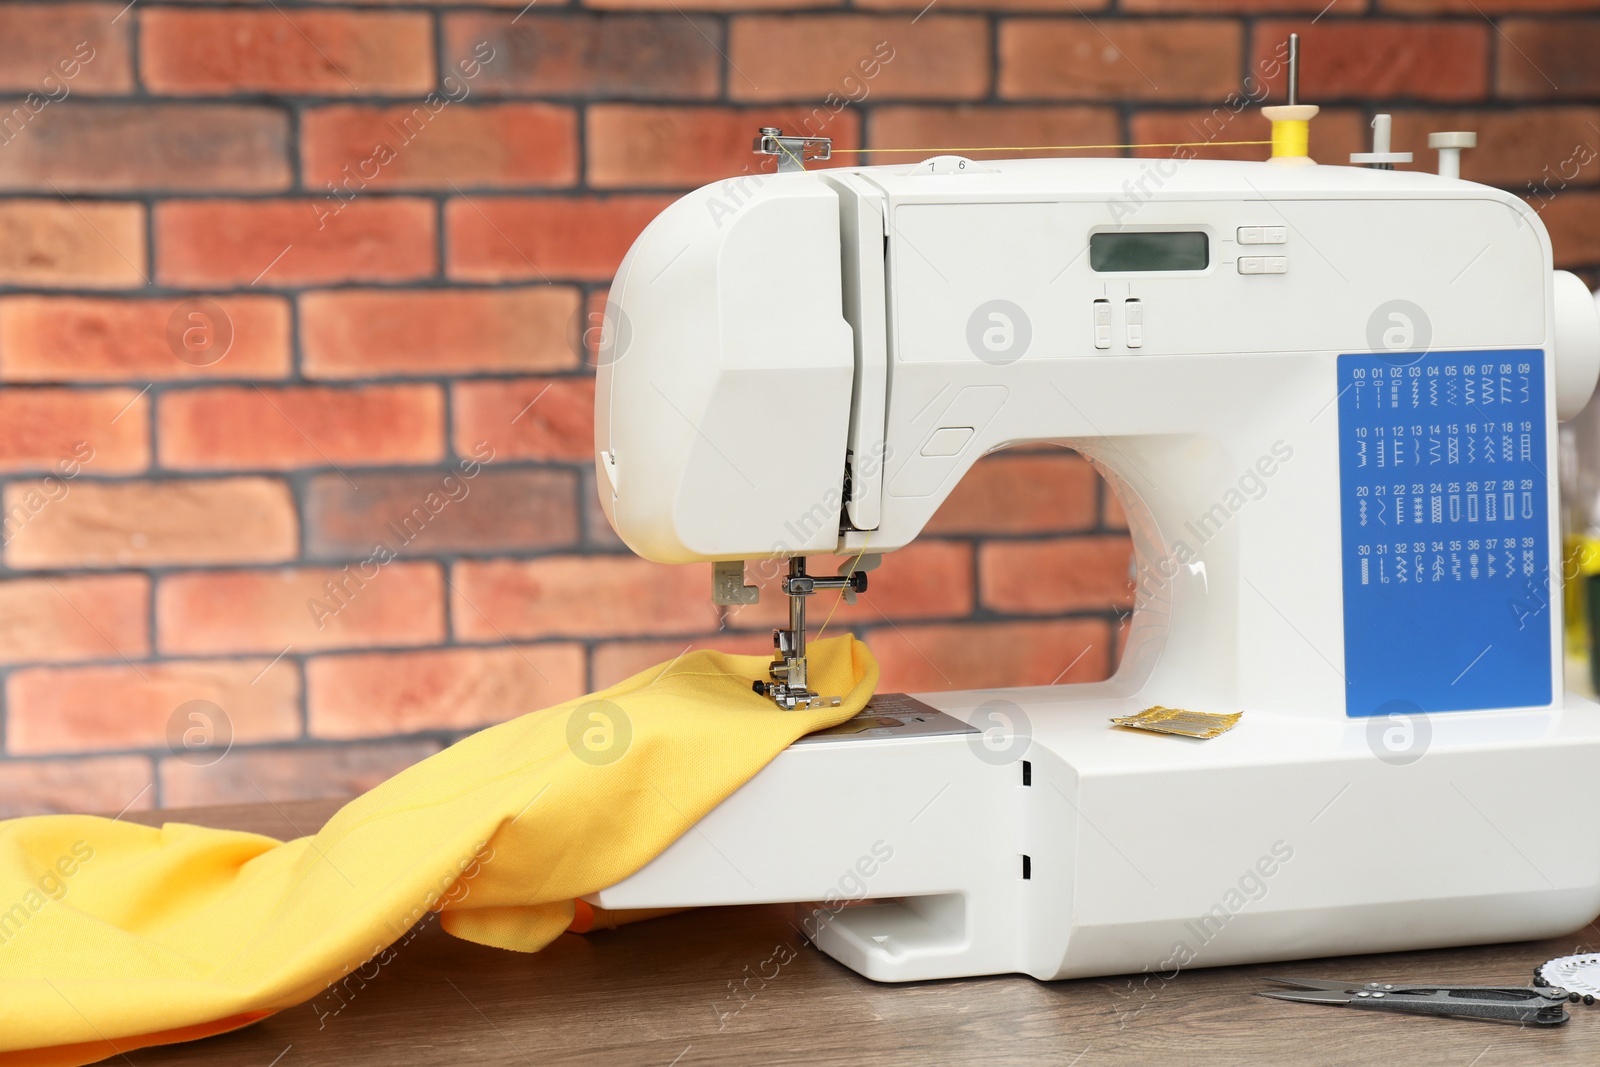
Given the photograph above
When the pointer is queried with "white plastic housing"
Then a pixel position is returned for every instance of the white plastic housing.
(722, 400)
(1577, 344)
(768, 332)
(724, 424)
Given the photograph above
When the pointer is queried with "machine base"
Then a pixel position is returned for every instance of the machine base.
(1052, 844)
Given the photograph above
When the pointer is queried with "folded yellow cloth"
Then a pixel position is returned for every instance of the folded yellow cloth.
(115, 936)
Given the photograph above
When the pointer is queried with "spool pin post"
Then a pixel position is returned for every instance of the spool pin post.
(1291, 122)
(1381, 157)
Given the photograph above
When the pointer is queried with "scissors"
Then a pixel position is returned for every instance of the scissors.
(1542, 1006)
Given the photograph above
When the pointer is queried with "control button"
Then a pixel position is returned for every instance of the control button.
(1277, 265)
(1263, 235)
(1102, 324)
(1133, 319)
(946, 441)
(1263, 265)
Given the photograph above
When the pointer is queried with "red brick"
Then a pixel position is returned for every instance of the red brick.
(326, 53)
(1548, 58)
(529, 418)
(1514, 147)
(230, 427)
(499, 238)
(1573, 219)
(1345, 59)
(304, 609)
(76, 245)
(256, 776)
(1045, 577)
(1079, 7)
(52, 524)
(592, 326)
(57, 620)
(379, 694)
(100, 785)
(569, 596)
(442, 512)
(72, 338)
(990, 655)
(1335, 133)
(709, 5)
(1020, 493)
(634, 145)
(352, 333)
(1112, 514)
(170, 147)
(413, 146)
(1228, 7)
(966, 125)
(42, 49)
(1245, 7)
(106, 430)
(926, 579)
(597, 530)
(219, 243)
(1481, 7)
(1167, 59)
(615, 661)
(657, 57)
(858, 57)
(81, 709)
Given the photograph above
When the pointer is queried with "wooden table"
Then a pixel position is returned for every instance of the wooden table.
(651, 994)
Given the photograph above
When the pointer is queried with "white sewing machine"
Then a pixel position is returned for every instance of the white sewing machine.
(1327, 397)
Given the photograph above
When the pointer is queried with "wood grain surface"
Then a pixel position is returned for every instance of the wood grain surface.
(659, 993)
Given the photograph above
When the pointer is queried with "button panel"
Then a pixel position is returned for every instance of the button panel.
(1102, 324)
(1263, 235)
(1133, 318)
(1263, 265)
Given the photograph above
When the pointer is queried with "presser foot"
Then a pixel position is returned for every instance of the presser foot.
(791, 699)
(788, 688)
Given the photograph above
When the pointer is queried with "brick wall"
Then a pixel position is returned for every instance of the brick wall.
(262, 298)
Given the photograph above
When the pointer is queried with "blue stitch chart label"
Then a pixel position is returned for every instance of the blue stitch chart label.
(1443, 488)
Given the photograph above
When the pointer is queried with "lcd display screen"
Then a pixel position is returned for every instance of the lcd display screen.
(1139, 250)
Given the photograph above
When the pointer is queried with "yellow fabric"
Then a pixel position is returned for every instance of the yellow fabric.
(143, 935)
(1290, 138)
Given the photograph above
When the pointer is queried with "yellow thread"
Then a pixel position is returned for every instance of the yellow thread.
(1051, 147)
(1290, 138)
(853, 564)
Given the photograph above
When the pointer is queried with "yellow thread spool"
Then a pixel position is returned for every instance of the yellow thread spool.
(1291, 132)
(1291, 137)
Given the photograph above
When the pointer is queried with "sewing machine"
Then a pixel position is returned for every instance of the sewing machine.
(1327, 398)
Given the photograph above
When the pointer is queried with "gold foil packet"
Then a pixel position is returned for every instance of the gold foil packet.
(1160, 720)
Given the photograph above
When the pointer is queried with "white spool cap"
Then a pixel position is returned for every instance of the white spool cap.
(1450, 145)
